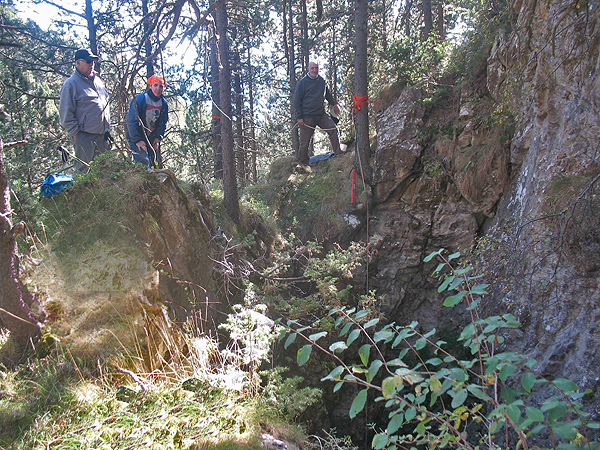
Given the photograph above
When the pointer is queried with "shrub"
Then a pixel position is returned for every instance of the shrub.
(432, 403)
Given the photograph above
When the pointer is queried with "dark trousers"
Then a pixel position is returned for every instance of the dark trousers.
(326, 123)
(88, 145)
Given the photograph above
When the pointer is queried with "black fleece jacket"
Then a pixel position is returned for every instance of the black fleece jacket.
(310, 96)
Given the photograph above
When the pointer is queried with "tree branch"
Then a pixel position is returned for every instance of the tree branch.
(62, 8)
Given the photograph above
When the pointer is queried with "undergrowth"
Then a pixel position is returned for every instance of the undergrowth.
(48, 411)
(201, 400)
(160, 387)
(435, 398)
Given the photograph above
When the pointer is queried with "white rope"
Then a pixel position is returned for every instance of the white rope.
(314, 128)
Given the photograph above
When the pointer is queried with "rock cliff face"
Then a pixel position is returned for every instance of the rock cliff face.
(525, 184)
(550, 207)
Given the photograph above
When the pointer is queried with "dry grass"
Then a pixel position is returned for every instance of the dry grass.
(168, 390)
(115, 371)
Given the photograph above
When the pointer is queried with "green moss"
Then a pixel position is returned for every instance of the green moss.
(85, 213)
(447, 130)
(434, 169)
(308, 204)
(562, 191)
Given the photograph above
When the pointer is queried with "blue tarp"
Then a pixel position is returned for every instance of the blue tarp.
(320, 157)
(53, 184)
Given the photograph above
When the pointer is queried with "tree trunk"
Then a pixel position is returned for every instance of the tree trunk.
(216, 102)
(230, 194)
(253, 146)
(15, 298)
(428, 19)
(440, 21)
(147, 42)
(91, 26)
(305, 57)
(406, 17)
(384, 31)
(333, 65)
(363, 149)
(240, 151)
(288, 44)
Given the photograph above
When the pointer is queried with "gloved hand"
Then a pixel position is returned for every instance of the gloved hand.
(64, 154)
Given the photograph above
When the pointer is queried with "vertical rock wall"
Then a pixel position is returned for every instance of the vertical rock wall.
(547, 69)
(531, 195)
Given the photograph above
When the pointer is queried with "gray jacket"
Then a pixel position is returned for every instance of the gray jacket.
(84, 104)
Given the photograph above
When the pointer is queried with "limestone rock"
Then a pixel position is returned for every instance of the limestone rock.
(534, 193)
(398, 148)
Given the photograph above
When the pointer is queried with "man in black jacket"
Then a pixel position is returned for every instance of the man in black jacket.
(309, 98)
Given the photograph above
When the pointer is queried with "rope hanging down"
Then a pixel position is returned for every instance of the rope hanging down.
(359, 101)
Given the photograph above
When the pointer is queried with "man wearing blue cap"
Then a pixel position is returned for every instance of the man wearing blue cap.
(84, 111)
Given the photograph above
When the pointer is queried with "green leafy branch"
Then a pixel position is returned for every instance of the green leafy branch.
(431, 401)
(498, 368)
(390, 386)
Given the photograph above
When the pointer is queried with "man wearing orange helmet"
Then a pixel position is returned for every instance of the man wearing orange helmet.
(147, 122)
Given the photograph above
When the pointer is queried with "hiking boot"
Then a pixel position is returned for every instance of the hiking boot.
(302, 168)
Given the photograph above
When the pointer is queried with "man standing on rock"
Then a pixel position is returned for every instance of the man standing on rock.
(309, 98)
(84, 110)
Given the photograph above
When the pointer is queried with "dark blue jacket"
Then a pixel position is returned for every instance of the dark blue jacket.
(310, 96)
(137, 110)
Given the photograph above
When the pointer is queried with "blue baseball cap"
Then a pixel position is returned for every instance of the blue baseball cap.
(86, 54)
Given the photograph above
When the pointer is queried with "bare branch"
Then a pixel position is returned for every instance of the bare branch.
(62, 8)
